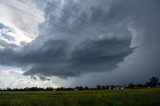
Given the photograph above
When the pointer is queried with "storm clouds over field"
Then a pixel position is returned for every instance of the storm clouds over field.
(72, 41)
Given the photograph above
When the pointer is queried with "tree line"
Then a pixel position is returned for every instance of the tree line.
(152, 83)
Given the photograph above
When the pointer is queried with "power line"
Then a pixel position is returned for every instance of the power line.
(53, 16)
(66, 12)
(47, 20)
(20, 11)
(51, 23)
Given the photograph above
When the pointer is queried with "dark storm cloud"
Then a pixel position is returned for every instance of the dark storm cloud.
(50, 62)
(145, 60)
(94, 56)
(57, 51)
(53, 58)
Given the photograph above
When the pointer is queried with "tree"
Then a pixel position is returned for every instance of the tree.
(49, 89)
(99, 87)
(103, 87)
(153, 82)
(131, 85)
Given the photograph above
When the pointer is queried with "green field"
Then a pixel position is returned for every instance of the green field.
(127, 97)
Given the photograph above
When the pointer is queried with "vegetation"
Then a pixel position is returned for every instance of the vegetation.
(127, 97)
(153, 82)
(132, 95)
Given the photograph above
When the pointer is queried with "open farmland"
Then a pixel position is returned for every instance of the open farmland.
(127, 97)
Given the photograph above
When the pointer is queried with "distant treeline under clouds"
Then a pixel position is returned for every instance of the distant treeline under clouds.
(152, 83)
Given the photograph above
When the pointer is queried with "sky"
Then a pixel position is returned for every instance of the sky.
(68, 43)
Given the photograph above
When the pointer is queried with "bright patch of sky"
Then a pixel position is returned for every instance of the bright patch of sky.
(13, 77)
(16, 21)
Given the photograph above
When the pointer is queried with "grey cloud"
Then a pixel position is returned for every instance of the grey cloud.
(5, 44)
(8, 37)
(60, 52)
(4, 32)
(44, 78)
(96, 56)
(33, 77)
(54, 58)
(144, 62)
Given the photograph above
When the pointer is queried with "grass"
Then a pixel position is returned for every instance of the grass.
(127, 97)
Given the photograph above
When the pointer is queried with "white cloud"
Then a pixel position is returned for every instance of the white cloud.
(22, 22)
(13, 77)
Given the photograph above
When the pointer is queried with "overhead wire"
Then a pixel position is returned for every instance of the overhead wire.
(77, 18)
(53, 16)
(46, 20)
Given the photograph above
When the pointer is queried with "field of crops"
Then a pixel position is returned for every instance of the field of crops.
(135, 97)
